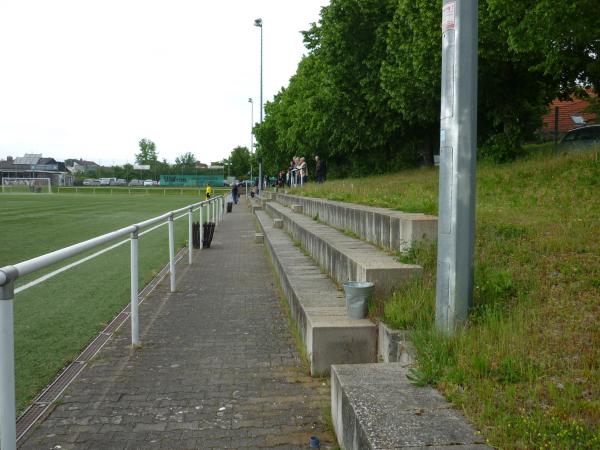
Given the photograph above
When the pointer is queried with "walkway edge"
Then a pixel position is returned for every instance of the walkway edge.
(39, 407)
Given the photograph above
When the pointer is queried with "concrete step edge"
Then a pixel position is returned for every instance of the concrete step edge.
(329, 337)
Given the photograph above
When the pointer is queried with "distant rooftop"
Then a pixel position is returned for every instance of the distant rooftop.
(29, 158)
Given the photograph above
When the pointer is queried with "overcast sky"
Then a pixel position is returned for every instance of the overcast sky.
(89, 79)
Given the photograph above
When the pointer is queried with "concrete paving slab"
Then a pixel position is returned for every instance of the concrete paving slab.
(374, 406)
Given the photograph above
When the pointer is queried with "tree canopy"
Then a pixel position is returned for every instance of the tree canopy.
(366, 97)
(147, 153)
(187, 160)
(240, 161)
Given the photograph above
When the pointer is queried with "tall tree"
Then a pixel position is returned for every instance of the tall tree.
(147, 153)
(563, 37)
(186, 160)
(367, 95)
(410, 73)
(240, 160)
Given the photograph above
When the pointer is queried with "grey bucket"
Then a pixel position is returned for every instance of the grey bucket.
(358, 294)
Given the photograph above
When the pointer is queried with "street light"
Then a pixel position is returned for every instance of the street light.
(251, 131)
(259, 23)
(251, 123)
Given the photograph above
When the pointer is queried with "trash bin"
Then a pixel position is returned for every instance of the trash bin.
(196, 234)
(358, 294)
(229, 206)
(208, 231)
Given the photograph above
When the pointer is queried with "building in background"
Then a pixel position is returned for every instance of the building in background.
(570, 115)
(81, 165)
(34, 165)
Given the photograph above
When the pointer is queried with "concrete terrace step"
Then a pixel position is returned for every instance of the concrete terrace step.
(374, 406)
(317, 306)
(393, 230)
(343, 257)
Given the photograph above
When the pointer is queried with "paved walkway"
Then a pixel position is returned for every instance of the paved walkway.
(218, 367)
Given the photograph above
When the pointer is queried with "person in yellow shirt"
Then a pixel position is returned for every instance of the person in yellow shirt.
(209, 191)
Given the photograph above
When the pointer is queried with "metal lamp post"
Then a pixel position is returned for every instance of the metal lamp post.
(251, 123)
(251, 101)
(458, 140)
(259, 23)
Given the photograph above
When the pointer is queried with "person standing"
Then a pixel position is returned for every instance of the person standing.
(318, 170)
(303, 173)
(294, 171)
(234, 192)
(209, 191)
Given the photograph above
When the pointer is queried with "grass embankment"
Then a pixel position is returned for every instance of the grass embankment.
(56, 319)
(526, 369)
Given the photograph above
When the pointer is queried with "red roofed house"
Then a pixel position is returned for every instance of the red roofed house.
(570, 116)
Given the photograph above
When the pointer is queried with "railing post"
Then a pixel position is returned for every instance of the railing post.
(218, 206)
(172, 253)
(8, 421)
(201, 224)
(190, 235)
(135, 323)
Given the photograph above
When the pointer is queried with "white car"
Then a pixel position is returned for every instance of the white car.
(148, 183)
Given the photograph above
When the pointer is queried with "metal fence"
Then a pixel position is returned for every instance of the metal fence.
(9, 274)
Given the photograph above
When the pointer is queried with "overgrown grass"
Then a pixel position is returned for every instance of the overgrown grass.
(526, 369)
(55, 320)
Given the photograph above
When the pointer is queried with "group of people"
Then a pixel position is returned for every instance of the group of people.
(297, 172)
(296, 175)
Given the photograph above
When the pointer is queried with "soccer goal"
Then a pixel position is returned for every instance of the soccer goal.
(26, 185)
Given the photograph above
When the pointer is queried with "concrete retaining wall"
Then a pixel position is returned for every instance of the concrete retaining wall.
(343, 257)
(317, 306)
(394, 345)
(389, 229)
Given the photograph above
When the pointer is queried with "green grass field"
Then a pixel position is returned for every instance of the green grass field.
(526, 370)
(56, 319)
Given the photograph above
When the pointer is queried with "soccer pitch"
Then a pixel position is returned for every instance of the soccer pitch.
(56, 319)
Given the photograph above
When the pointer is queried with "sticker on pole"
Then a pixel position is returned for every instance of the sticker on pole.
(448, 17)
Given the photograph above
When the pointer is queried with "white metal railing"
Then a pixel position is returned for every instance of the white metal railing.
(122, 190)
(9, 274)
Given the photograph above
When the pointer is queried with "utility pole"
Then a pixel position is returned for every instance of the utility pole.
(259, 23)
(458, 150)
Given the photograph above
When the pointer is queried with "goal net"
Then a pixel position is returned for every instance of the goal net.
(26, 185)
